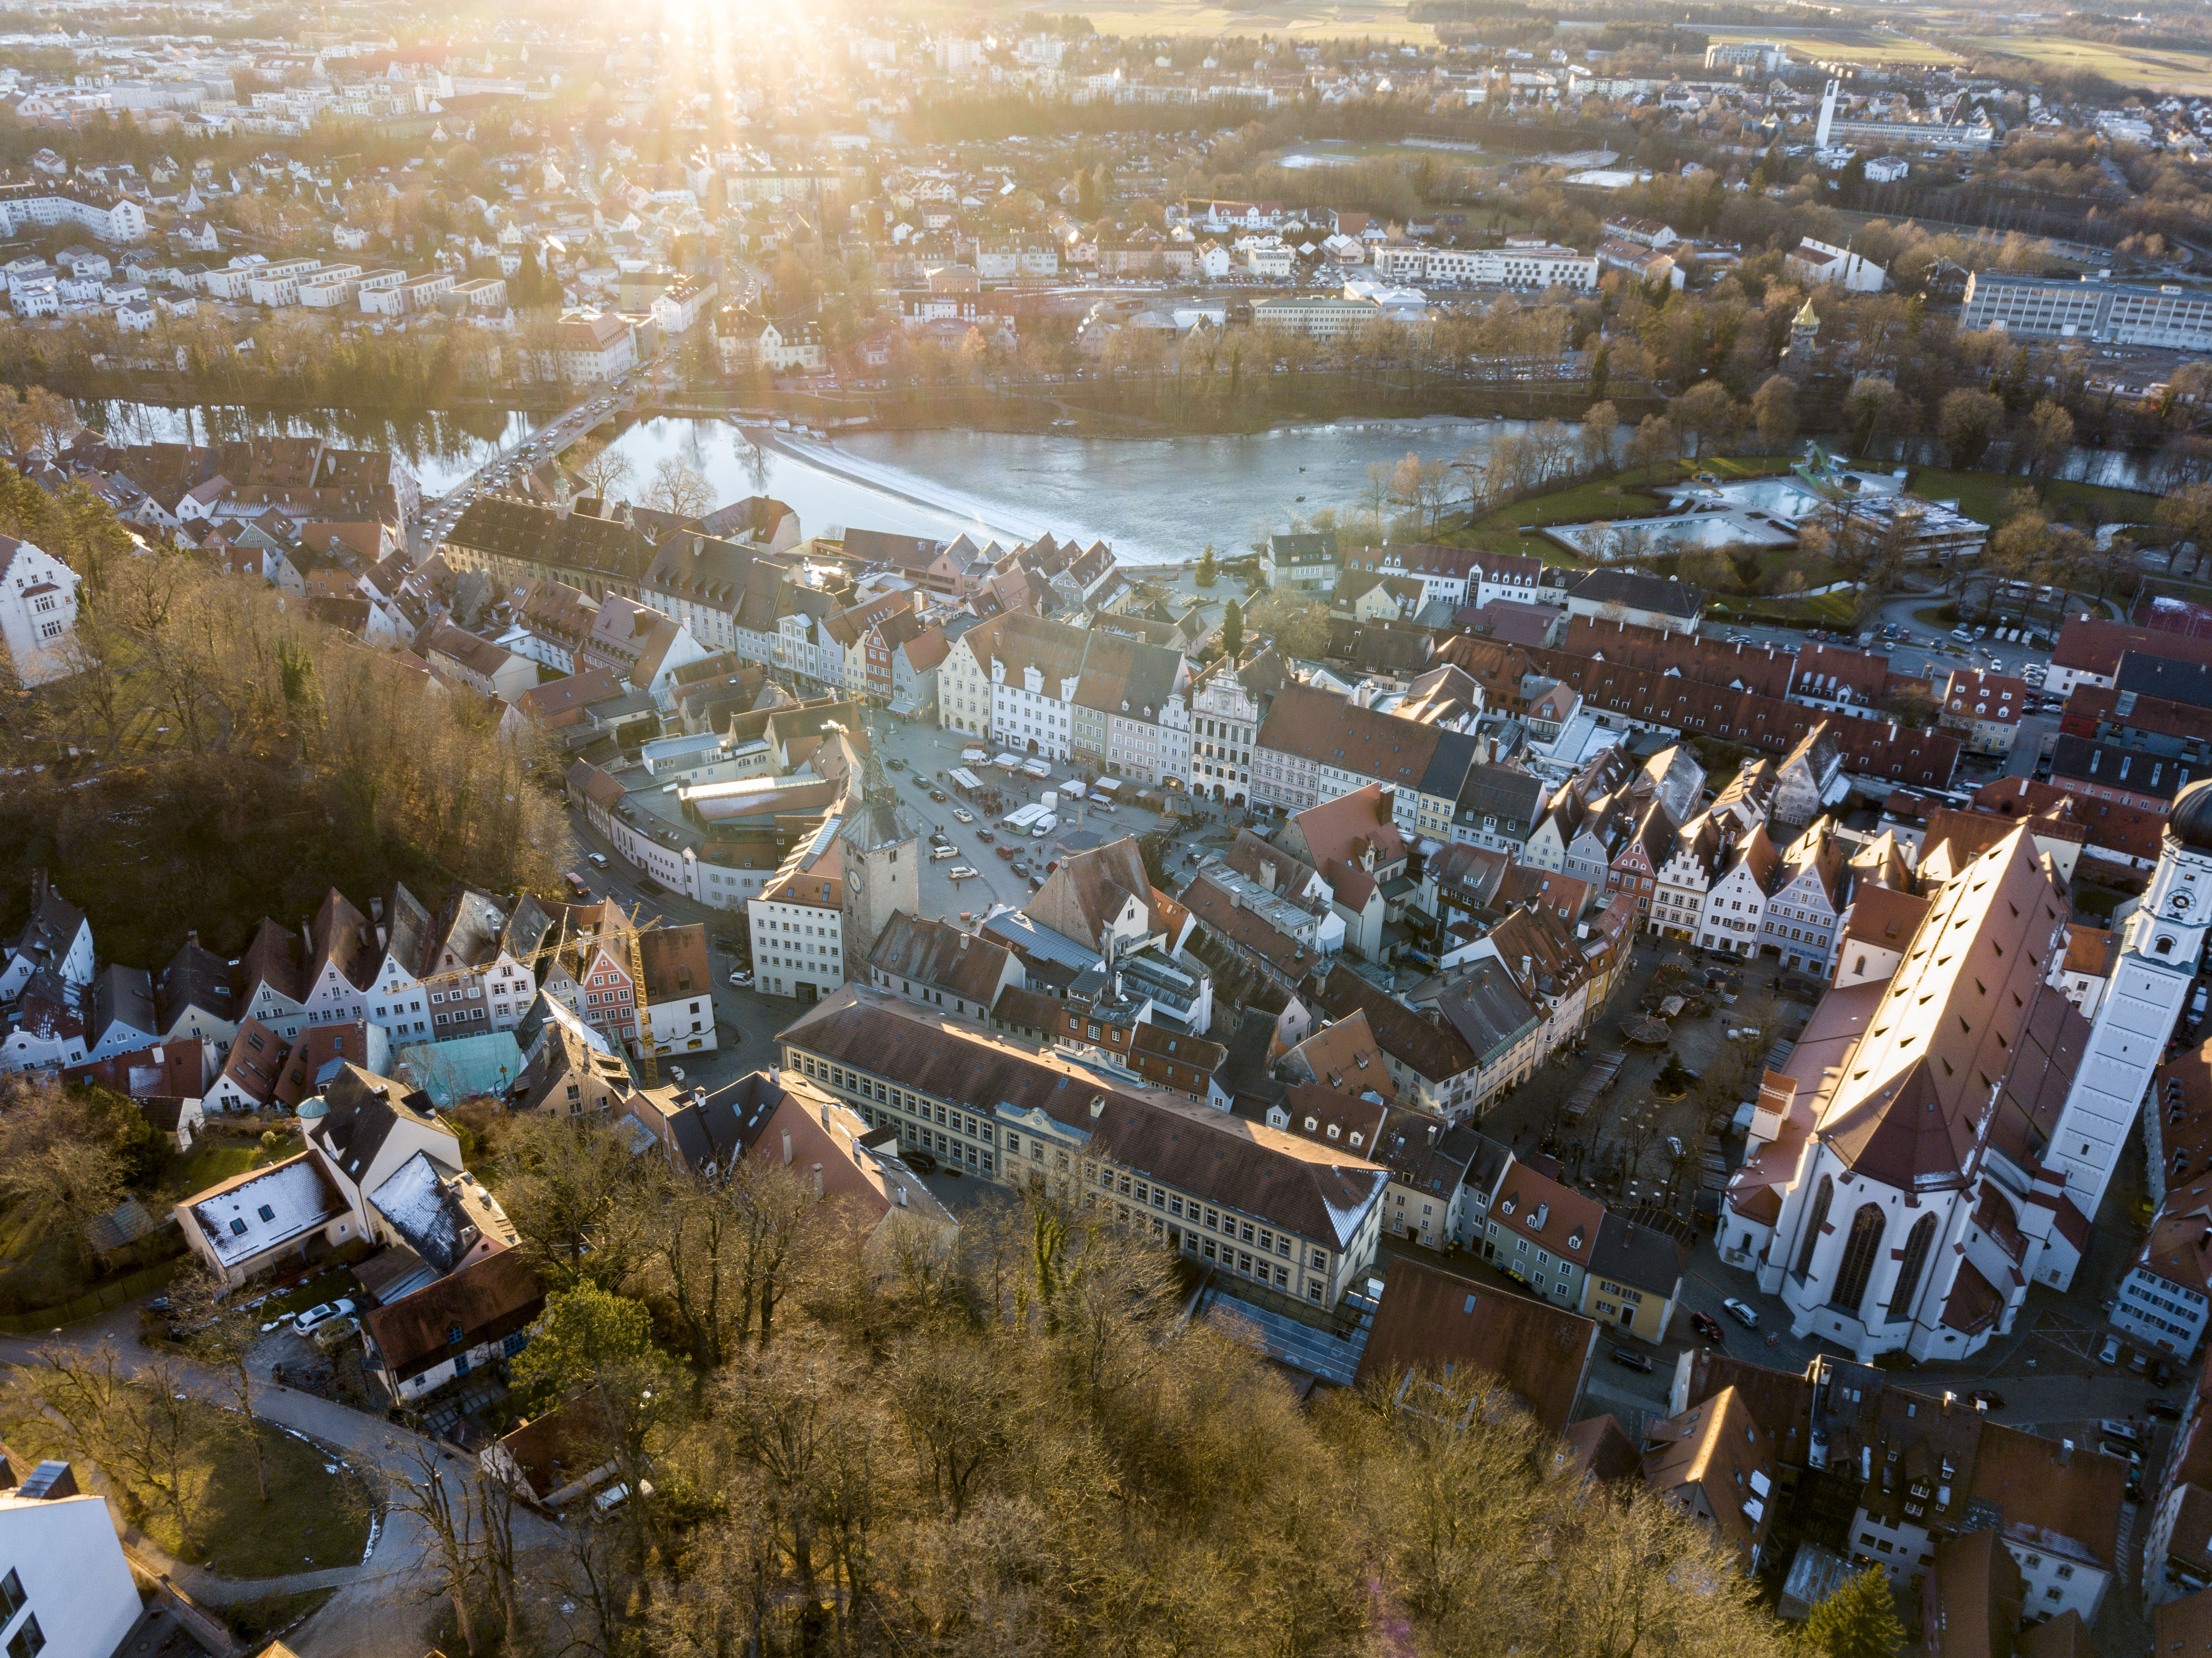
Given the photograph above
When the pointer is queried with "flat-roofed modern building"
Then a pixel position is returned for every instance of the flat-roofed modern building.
(2114, 313)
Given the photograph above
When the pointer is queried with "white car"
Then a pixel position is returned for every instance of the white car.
(739, 977)
(307, 1322)
(959, 872)
(676, 1073)
(963, 816)
(1742, 1314)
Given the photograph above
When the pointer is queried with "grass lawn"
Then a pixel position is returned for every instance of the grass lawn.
(317, 1515)
(2159, 69)
(215, 1157)
(256, 1621)
(1982, 495)
(1838, 610)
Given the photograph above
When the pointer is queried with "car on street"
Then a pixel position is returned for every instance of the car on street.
(307, 1322)
(1709, 1328)
(1629, 1359)
(895, 764)
(739, 977)
(960, 872)
(963, 817)
(1007, 853)
(937, 795)
(921, 1161)
(2109, 1352)
(2164, 1409)
(1741, 1312)
(985, 835)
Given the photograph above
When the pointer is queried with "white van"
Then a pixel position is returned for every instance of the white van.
(937, 853)
(596, 859)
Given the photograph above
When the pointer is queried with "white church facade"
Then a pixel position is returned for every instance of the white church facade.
(1950, 1123)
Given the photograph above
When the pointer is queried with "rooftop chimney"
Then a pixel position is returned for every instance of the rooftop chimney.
(817, 1179)
(49, 1481)
(787, 1148)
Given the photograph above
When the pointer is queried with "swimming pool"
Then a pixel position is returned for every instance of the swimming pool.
(1609, 540)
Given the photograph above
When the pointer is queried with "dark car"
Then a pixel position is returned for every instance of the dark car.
(1709, 1328)
(2164, 1409)
(1988, 1398)
(921, 1162)
(894, 765)
(938, 795)
(1629, 1359)
(984, 836)
(1006, 853)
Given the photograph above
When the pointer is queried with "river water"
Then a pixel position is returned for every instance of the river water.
(1152, 499)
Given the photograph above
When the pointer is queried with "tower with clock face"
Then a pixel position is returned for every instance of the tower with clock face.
(2160, 946)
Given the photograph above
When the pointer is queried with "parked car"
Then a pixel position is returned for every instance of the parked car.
(921, 1162)
(2164, 1409)
(740, 977)
(307, 1322)
(960, 872)
(1007, 853)
(986, 836)
(676, 1073)
(894, 765)
(2109, 1352)
(1629, 1359)
(937, 795)
(577, 884)
(1988, 1398)
(1741, 1312)
(1708, 1326)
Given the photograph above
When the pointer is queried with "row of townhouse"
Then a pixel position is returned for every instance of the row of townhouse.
(1699, 691)
(1116, 705)
(732, 582)
(401, 975)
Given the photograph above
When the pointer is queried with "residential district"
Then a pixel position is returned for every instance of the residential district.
(1732, 1048)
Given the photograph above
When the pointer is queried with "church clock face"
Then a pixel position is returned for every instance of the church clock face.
(2178, 904)
(859, 881)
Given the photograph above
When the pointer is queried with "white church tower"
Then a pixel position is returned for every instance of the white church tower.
(2160, 949)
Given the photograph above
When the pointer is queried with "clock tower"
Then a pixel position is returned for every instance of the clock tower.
(881, 850)
(2160, 946)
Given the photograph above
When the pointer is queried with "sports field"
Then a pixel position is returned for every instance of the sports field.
(1852, 45)
(2186, 72)
(1303, 20)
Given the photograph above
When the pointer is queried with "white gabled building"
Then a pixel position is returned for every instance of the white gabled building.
(38, 612)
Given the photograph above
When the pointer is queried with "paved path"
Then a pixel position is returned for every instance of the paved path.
(378, 1609)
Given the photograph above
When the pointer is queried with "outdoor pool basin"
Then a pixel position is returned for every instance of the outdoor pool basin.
(1610, 540)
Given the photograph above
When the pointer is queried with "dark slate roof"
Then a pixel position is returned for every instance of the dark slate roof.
(1640, 592)
(2189, 683)
(363, 1109)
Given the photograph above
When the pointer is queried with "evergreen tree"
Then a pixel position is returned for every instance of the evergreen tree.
(1207, 568)
(1859, 1620)
(1232, 630)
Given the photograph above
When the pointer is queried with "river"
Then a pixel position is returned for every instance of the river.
(1152, 499)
